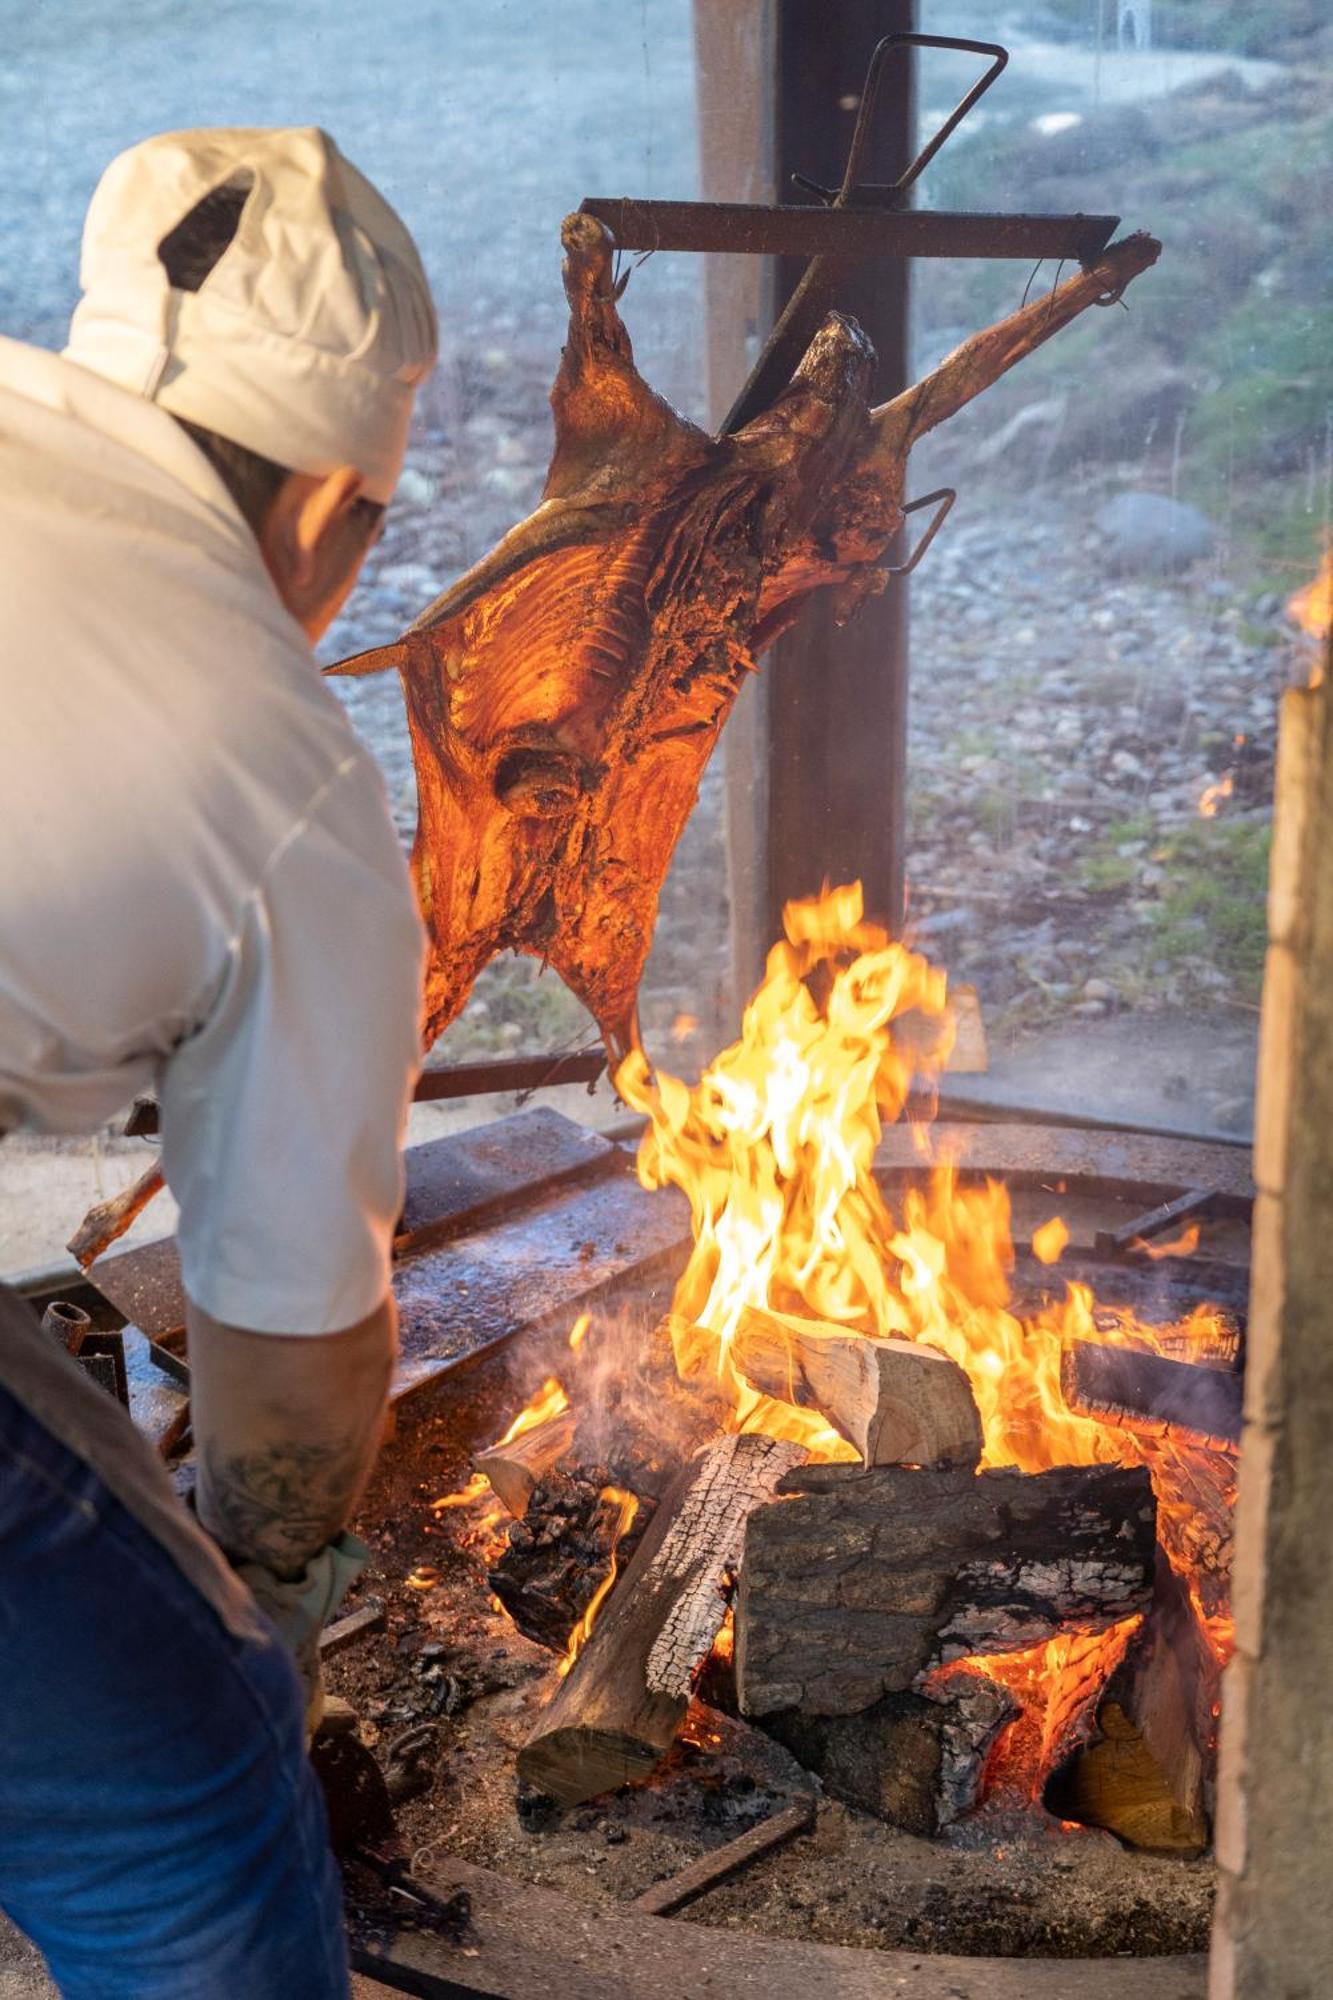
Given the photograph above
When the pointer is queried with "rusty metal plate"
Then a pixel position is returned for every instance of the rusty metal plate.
(454, 1184)
(466, 1179)
(1120, 1163)
(533, 1271)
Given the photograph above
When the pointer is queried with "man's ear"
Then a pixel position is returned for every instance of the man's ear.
(305, 508)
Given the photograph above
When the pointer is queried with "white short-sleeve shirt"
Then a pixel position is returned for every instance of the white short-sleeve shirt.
(200, 886)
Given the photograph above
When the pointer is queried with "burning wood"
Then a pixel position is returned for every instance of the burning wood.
(1145, 1774)
(564, 696)
(539, 1437)
(561, 1560)
(867, 1577)
(617, 1713)
(1136, 1389)
(898, 1401)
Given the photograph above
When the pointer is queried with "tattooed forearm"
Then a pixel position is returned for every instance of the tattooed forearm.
(280, 1502)
(287, 1429)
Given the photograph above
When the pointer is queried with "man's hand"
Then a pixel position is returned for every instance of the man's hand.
(287, 1427)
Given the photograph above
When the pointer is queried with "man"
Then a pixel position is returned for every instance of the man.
(201, 890)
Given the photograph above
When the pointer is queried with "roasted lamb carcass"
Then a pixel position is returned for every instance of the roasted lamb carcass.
(564, 696)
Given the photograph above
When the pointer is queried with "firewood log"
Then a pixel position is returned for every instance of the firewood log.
(866, 1576)
(899, 1402)
(564, 696)
(915, 1760)
(1147, 1773)
(618, 1711)
(1151, 1394)
(515, 1468)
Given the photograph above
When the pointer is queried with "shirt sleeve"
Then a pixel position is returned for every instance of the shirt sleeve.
(283, 1115)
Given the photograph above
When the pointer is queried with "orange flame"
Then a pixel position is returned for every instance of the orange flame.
(549, 1401)
(627, 1507)
(1050, 1241)
(774, 1148)
(1183, 1245)
(1211, 797)
(1312, 607)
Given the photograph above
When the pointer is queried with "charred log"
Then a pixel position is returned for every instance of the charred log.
(1151, 1394)
(865, 1577)
(915, 1760)
(559, 1554)
(618, 1711)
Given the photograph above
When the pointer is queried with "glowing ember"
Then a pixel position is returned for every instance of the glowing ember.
(1211, 797)
(1050, 1241)
(626, 1506)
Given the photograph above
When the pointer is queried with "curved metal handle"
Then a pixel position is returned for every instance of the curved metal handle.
(945, 495)
(846, 195)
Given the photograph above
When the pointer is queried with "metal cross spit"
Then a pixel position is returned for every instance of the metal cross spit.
(858, 219)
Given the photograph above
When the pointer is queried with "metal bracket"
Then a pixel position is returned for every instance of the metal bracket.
(945, 495)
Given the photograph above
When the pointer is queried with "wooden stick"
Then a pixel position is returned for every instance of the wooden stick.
(618, 1712)
(514, 1469)
(665, 1898)
(899, 1402)
(344, 1632)
(109, 1219)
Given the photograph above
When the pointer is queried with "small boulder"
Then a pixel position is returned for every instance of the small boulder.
(1148, 534)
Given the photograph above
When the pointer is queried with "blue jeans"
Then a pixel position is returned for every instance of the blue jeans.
(162, 1833)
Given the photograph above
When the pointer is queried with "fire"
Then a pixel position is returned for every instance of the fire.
(774, 1148)
(1050, 1241)
(549, 1401)
(626, 1506)
(1211, 797)
(1312, 607)
(1183, 1245)
(1057, 1684)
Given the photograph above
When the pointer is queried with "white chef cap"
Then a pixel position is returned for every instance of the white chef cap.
(305, 341)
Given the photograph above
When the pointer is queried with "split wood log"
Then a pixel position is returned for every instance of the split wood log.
(515, 1468)
(915, 1760)
(1147, 1774)
(867, 1576)
(564, 696)
(108, 1220)
(617, 1714)
(900, 1402)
